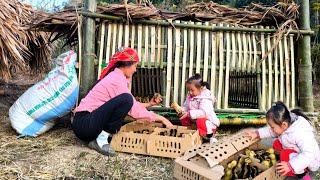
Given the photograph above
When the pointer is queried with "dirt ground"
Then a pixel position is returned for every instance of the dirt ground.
(58, 154)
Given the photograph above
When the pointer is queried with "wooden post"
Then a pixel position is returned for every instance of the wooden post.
(304, 57)
(87, 70)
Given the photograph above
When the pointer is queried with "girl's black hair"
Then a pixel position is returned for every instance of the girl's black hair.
(279, 113)
(197, 81)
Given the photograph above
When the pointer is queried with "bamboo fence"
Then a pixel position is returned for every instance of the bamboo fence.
(228, 60)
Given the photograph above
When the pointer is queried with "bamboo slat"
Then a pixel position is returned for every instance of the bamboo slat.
(169, 67)
(140, 40)
(103, 25)
(114, 38)
(80, 51)
(164, 41)
(108, 43)
(133, 36)
(263, 68)
(276, 71)
(293, 87)
(158, 46)
(120, 35)
(126, 35)
(153, 44)
(239, 63)
(176, 64)
(245, 52)
(250, 63)
(270, 75)
(255, 53)
(206, 55)
(184, 64)
(213, 64)
(281, 70)
(221, 64)
(287, 69)
(234, 51)
(228, 58)
(198, 59)
(146, 46)
(191, 51)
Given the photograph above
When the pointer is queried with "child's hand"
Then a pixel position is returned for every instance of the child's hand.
(184, 115)
(156, 99)
(251, 133)
(283, 168)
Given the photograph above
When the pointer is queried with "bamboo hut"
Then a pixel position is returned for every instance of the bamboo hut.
(247, 55)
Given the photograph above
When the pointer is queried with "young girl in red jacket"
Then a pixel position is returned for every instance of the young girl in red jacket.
(198, 108)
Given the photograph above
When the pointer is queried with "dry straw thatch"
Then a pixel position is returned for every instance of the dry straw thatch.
(281, 16)
(21, 49)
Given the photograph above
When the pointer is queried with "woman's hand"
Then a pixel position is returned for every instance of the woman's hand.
(164, 121)
(283, 168)
(251, 133)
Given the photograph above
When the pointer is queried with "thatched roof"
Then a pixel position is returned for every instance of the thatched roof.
(20, 48)
(65, 24)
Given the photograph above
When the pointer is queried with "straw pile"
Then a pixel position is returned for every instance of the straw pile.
(254, 14)
(20, 49)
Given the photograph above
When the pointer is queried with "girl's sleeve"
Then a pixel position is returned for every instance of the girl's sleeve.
(308, 149)
(265, 132)
(205, 108)
(185, 106)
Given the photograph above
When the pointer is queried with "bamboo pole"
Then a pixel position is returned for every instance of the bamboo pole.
(176, 64)
(153, 44)
(80, 51)
(221, 63)
(270, 85)
(228, 57)
(286, 57)
(169, 66)
(120, 35)
(108, 43)
(276, 70)
(114, 38)
(198, 60)
(281, 70)
(184, 64)
(293, 84)
(206, 54)
(126, 35)
(263, 94)
(214, 64)
(202, 27)
(304, 57)
(87, 67)
(133, 36)
(159, 46)
(101, 47)
(146, 47)
(140, 41)
(191, 51)
(233, 37)
(245, 52)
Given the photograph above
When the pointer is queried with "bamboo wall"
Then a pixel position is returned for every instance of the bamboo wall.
(181, 52)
